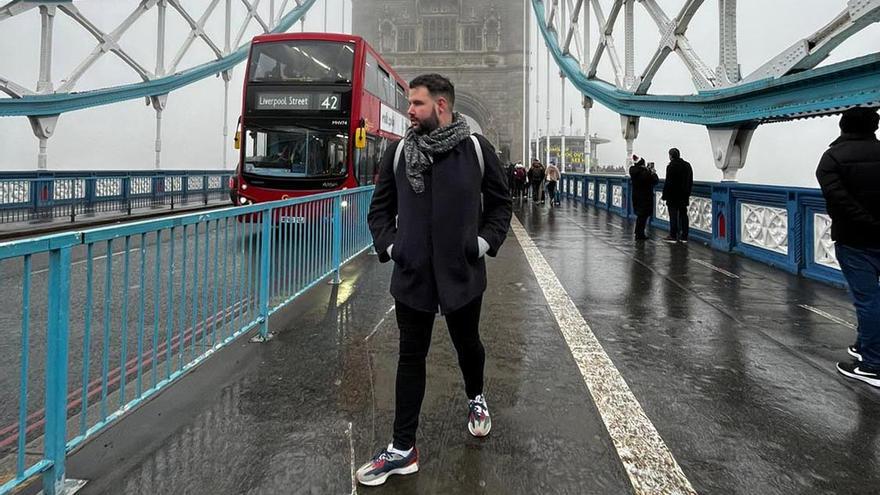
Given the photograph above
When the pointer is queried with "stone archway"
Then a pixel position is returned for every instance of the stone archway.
(473, 108)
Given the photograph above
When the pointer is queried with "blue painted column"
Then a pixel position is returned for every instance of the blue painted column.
(56, 372)
(724, 223)
(337, 238)
(265, 261)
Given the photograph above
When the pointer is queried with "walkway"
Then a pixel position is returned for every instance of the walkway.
(731, 361)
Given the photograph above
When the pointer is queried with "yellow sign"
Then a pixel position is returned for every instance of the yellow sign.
(360, 138)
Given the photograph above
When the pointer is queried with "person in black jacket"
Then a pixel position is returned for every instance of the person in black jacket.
(677, 194)
(643, 179)
(426, 216)
(849, 174)
(536, 179)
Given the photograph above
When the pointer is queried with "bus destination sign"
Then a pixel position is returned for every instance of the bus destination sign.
(298, 101)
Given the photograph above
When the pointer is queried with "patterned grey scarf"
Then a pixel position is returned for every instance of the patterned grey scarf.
(420, 149)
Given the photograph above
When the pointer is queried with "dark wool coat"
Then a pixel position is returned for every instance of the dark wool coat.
(849, 174)
(435, 252)
(643, 182)
(678, 183)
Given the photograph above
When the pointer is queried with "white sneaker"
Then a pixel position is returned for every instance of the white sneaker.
(479, 422)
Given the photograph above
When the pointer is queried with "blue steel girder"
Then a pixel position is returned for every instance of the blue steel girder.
(58, 103)
(821, 91)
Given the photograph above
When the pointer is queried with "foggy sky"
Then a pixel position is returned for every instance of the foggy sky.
(122, 135)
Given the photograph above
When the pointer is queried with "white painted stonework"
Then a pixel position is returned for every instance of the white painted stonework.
(765, 227)
(700, 214)
(823, 246)
(661, 211)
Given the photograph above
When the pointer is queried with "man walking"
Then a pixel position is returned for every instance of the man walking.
(849, 174)
(426, 216)
(536, 179)
(677, 194)
(643, 179)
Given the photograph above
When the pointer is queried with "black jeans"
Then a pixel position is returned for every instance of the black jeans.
(551, 191)
(641, 223)
(536, 191)
(678, 222)
(415, 339)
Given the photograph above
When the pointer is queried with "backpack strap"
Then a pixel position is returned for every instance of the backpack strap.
(477, 147)
(397, 153)
(479, 150)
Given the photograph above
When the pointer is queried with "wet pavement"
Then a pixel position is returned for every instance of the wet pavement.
(735, 370)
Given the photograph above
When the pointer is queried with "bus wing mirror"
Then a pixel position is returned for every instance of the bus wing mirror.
(360, 138)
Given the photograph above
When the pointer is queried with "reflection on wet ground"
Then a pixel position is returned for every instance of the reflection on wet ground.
(737, 377)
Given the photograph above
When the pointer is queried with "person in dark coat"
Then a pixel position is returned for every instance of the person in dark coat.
(677, 194)
(536, 180)
(643, 179)
(426, 216)
(849, 174)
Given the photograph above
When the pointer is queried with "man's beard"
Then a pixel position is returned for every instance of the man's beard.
(429, 124)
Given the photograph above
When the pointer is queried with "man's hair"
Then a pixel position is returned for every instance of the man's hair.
(674, 153)
(436, 85)
(859, 120)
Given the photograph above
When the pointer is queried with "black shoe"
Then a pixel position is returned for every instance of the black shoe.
(857, 371)
(669, 238)
(683, 241)
(853, 351)
(642, 238)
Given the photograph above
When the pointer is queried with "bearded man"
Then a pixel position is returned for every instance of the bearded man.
(440, 205)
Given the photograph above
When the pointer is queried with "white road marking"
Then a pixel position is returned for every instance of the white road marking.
(830, 316)
(96, 258)
(648, 462)
(378, 325)
(350, 432)
(719, 270)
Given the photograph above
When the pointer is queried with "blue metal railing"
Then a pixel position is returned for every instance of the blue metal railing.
(786, 227)
(110, 316)
(43, 195)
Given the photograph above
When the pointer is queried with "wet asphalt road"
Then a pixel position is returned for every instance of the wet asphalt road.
(735, 374)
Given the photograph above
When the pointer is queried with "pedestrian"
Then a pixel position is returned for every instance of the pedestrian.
(519, 176)
(677, 194)
(536, 179)
(509, 172)
(849, 174)
(643, 179)
(553, 177)
(426, 216)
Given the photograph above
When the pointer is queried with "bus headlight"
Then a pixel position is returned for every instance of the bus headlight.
(243, 201)
(344, 204)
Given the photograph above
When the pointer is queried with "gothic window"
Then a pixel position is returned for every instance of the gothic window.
(386, 37)
(492, 33)
(471, 38)
(439, 34)
(406, 39)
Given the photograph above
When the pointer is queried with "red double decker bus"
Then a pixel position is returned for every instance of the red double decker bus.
(305, 96)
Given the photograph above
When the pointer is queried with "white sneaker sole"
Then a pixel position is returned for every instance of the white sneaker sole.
(870, 381)
(412, 468)
(480, 433)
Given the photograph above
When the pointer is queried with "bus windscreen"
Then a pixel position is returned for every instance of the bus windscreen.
(295, 152)
(302, 61)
